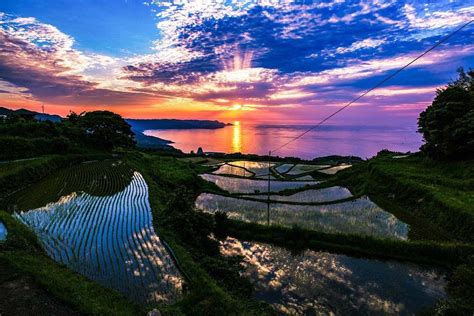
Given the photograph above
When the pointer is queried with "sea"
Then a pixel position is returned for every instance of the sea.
(361, 141)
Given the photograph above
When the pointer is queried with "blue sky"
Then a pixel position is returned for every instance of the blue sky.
(253, 60)
(126, 27)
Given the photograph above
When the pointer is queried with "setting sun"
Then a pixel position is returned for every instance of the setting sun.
(236, 107)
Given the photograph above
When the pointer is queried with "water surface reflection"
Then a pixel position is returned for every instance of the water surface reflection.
(321, 283)
(3, 232)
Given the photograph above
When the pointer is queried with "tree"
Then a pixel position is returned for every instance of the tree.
(103, 129)
(447, 124)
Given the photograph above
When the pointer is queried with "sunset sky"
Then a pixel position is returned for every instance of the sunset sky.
(253, 61)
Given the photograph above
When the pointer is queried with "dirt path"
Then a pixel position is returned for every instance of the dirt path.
(22, 296)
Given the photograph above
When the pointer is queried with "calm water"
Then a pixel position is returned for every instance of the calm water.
(322, 283)
(3, 232)
(362, 141)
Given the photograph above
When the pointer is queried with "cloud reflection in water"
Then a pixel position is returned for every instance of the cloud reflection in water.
(324, 283)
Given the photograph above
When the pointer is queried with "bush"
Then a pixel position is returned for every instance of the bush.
(447, 124)
(461, 292)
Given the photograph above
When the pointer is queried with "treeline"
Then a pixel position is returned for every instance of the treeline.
(88, 132)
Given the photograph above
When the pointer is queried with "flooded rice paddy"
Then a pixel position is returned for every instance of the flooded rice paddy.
(243, 168)
(335, 169)
(284, 168)
(3, 232)
(104, 231)
(233, 170)
(360, 216)
(259, 168)
(301, 168)
(308, 196)
(240, 185)
(328, 209)
(321, 283)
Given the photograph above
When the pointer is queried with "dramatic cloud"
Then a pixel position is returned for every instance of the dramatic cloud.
(40, 60)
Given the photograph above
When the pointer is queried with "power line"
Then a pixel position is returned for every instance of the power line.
(444, 39)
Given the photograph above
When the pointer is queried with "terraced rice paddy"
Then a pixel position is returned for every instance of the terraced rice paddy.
(335, 169)
(321, 283)
(284, 167)
(309, 196)
(236, 185)
(360, 216)
(259, 168)
(245, 168)
(233, 170)
(3, 232)
(301, 168)
(108, 237)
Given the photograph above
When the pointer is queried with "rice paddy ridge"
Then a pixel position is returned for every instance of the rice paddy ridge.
(259, 170)
(122, 244)
(289, 202)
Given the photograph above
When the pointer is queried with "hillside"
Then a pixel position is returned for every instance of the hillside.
(141, 125)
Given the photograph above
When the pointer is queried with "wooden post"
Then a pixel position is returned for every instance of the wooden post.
(268, 189)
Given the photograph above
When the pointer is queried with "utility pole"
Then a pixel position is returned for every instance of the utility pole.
(268, 189)
(42, 107)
